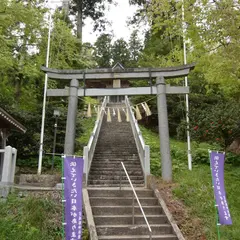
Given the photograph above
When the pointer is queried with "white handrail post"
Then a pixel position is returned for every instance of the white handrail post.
(147, 162)
(85, 158)
(14, 159)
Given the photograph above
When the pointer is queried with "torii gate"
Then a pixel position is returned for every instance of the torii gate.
(116, 73)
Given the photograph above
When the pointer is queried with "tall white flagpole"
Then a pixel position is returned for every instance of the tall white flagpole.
(44, 98)
(186, 84)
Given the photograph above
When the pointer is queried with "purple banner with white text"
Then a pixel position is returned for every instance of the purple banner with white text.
(73, 173)
(217, 168)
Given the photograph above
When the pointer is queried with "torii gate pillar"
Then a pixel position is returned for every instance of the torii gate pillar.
(71, 118)
(166, 162)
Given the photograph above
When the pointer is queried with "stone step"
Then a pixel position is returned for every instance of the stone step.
(115, 185)
(134, 171)
(127, 219)
(124, 201)
(115, 154)
(119, 156)
(133, 229)
(116, 161)
(106, 182)
(114, 165)
(121, 140)
(106, 157)
(122, 130)
(125, 210)
(139, 237)
(109, 148)
(130, 170)
(112, 147)
(113, 177)
(125, 159)
(103, 192)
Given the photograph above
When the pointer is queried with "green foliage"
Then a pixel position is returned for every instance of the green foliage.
(32, 218)
(87, 128)
(217, 123)
(212, 33)
(135, 48)
(120, 52)
(65, 49)
(103, 50)
(194, 188)
(21, 80)
(201, 156)
(233, 159)
(108, 52)
(31, 163)
(29, 219)
(91, 8)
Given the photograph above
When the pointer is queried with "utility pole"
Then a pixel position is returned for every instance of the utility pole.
(44, 98)
(186, 85)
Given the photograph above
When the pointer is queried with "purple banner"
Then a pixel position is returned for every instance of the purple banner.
(73, 173)
(217, 168)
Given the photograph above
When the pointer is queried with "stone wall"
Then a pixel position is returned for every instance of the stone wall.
(39, 180)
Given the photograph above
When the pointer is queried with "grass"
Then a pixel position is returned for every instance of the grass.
(194, 188)
(30, 219)
(33, 218)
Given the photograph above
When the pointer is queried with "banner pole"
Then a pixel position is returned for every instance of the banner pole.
(215, 205)
(63, 207)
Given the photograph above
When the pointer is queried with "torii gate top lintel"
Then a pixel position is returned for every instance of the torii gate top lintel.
(117, 73)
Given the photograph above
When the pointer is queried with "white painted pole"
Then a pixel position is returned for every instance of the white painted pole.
(186, 84)
(44, 98)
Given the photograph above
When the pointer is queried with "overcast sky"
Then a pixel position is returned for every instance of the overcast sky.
(117, 15)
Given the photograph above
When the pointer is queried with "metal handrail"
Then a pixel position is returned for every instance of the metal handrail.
(134, 194)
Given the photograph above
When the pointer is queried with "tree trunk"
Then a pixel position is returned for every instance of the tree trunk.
(66, 7)
(79, 19)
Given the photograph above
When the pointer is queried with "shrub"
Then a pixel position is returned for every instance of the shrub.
(201, 155)
(233, 159)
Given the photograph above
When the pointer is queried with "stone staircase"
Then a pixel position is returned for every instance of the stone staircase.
(111, 207)
(115, 144)
(112, 212)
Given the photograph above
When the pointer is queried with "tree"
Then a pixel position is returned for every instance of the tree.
(135, 48)
(219, 123)
(20, 33)
(120, 52)
(103, 50)
(89, 8)
(24, 42)
(212, 33)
